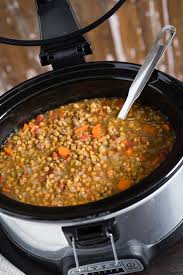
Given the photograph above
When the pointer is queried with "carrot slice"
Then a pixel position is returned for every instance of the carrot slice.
(8, 151)
(97, 131)
(63, 152)
(81, 129)
(123, 184)
(149, 129)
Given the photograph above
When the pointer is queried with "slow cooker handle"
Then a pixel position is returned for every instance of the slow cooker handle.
(110, 235)
(92, 236)
(57, 18)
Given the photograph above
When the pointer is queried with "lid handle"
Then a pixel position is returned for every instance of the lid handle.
(57, 19)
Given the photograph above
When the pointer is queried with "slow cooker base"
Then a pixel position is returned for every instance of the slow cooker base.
(144, 215)
(31, 265)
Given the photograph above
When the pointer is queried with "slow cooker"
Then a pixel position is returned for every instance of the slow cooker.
(117, 235)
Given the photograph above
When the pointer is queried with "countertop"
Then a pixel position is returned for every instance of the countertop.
(169, 263)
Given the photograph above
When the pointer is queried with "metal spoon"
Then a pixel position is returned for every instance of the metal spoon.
(145, 72)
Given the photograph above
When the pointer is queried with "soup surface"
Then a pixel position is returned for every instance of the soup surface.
(81, 152)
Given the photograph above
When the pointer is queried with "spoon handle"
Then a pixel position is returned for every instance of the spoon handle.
(146, 70)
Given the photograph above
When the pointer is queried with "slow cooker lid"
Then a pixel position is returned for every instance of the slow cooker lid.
(58, 26)
(56, 20)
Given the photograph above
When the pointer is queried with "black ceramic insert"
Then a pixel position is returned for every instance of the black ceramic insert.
(103, 79)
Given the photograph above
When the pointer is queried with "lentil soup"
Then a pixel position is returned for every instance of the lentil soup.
(81, 152)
